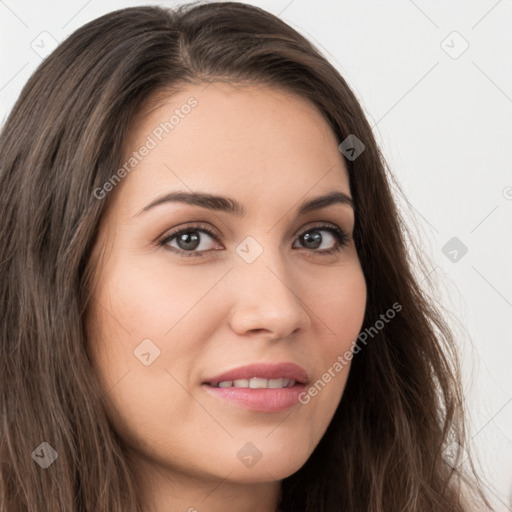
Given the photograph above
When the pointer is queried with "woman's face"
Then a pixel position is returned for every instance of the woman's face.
(171, 312)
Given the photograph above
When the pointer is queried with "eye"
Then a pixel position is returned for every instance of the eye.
(313, 239)
(190, 241)
(194, 240)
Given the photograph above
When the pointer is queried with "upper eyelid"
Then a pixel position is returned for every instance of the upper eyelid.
(194, 226)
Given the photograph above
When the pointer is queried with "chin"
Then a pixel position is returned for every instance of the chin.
(269, 468)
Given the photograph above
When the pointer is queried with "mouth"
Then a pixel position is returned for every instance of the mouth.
(260, 387)
(256, 383)
(261, 375)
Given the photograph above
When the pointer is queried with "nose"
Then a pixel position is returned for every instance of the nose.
(266, 298)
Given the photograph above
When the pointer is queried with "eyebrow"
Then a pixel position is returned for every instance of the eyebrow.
(232, 206)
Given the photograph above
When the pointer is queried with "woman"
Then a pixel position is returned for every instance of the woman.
(194, 209)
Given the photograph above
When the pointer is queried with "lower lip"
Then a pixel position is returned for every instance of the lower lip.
(261, 400)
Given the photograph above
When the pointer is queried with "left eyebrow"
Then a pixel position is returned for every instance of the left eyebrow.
(334, 197)
(226, 204)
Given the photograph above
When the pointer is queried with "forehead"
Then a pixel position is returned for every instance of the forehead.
(239, 140)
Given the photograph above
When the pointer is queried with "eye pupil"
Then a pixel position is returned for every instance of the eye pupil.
(188, 241)
(312, 240)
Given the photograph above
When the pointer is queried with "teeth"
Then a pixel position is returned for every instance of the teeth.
(277, 383)
(257, 383)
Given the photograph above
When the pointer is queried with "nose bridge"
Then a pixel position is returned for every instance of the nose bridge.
(265, 296)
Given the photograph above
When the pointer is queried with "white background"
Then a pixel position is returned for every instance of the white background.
(444, 123)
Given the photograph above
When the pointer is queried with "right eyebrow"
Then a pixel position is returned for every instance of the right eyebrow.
(209, 201)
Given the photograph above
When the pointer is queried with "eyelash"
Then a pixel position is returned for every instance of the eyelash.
(342, 238)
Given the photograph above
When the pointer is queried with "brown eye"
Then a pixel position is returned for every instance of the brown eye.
(190, 241)
(197, 239)
(313, 239)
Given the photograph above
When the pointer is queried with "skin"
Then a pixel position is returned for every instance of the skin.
(271, 151)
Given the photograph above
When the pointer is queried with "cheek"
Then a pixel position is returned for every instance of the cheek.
(154, 301)
(146, 309)
(341, 306)
(340, 309)
(136, 314)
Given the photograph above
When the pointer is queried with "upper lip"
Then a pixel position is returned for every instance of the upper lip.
(263, 370)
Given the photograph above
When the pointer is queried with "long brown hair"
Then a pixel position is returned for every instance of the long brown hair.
(402, 405)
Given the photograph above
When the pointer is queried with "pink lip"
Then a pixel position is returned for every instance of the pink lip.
(264, 371)
(261, 400)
